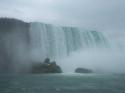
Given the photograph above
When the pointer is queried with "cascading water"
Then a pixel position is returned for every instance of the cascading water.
(73, 47)
(58, 42)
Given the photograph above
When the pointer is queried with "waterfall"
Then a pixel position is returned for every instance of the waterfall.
(22, 43)
(56, 42)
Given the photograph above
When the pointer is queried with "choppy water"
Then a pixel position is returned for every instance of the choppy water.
(62, 83)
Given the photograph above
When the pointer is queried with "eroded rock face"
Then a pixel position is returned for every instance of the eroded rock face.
(45, 67)
(83, 70)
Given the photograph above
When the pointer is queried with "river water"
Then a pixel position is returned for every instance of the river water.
(63, 83)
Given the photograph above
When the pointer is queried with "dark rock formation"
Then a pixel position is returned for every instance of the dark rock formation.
(83, 70)
(45, 67)
(14, 42)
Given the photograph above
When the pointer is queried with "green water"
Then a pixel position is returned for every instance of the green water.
(63, 83)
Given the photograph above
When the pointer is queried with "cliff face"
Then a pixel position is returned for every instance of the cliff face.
(14, 40)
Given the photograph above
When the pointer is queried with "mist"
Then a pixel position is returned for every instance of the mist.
(102, 15)
(101, 61)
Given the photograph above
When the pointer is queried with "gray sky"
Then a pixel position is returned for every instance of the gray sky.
(103, 15)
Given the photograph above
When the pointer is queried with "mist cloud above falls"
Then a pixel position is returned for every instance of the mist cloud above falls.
(93, 14)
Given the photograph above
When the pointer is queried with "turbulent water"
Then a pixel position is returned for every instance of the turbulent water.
(63, 83)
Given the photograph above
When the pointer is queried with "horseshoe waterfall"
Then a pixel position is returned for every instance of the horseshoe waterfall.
(22, 43)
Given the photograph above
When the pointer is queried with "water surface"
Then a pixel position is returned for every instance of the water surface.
(63, 83)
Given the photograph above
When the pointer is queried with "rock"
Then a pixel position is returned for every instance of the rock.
(47, 61)
(46, 67)
(83, 70)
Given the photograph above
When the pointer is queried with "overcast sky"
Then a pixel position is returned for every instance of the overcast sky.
(102, 15)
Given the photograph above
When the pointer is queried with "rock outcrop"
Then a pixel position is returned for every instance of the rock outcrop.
(83, 70)
(45, 67)
(14, 44)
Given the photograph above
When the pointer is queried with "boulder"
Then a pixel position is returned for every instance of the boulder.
(46, 67)
(83, 70)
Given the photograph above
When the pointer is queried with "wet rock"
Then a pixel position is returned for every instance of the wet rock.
(83, 70)
(46, 67)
